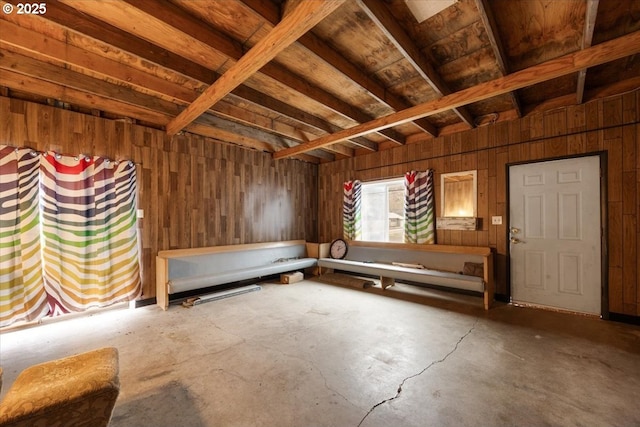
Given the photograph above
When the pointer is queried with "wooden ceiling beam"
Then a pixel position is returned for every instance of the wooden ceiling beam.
(61, 14)
(188, 29)
(608, 51)
(24, 83)
(587, 38)
(338, 106)
(229, 137)
(85, 23)
(262, 119)
(303, 119)
(74, 80)
(269, 12)
(113, 99)
(489, 22)
(87, 17)
(134, 21)
(250, 132)
(22, 39)
(44, 47)
(381, 16)
(298, 21)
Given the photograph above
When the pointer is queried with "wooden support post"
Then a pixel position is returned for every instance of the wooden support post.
(162, 276)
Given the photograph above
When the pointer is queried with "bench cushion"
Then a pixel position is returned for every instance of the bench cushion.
(189, 283)
(433, 277)
(79, 390)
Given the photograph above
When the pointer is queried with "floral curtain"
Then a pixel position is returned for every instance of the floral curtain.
(351, 212)
(67, 233)
(22, 295)
(419, 205)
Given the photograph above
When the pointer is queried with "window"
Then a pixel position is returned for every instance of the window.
(383, 211)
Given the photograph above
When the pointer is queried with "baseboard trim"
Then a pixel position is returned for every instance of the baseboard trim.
(624, 318)
(145, 302)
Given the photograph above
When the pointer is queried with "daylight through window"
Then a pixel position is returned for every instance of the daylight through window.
(383, 211)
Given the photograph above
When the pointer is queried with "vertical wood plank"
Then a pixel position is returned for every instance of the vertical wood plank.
(612, 111)
(613, 146)
(630, 261)
(629, 108)
(616, 247)
(555, 122)
(183, 185)
(615, 290)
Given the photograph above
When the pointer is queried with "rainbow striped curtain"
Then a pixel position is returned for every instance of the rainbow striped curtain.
(351, 212)
(419, 208)
(68, 236)
(22, 295)
(89, 242)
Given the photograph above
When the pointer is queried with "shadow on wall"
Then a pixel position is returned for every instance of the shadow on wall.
(170, 404)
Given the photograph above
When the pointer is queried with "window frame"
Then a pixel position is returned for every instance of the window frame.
(387, 181)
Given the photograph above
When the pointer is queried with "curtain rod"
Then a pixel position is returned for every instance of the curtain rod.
(75, 156)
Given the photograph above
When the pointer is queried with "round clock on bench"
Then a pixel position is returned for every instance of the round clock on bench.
(338, 249)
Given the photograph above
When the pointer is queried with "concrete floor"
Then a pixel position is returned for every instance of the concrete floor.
(310, 354)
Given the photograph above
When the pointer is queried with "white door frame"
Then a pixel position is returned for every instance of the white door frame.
(604, 220)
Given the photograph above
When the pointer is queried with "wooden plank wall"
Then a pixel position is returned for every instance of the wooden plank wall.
(609, 124)
(194, 191)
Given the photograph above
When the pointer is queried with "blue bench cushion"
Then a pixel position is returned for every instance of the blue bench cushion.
(433, 277)
(211, 279)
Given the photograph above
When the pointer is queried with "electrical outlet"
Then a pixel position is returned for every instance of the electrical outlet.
(140, 213)
(496, 220)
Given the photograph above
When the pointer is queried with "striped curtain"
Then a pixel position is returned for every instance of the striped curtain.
(351, 212)
(419, 206)
(89, 232)
(22, 295)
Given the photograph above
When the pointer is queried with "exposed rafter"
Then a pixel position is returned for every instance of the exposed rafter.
(316, 46)
(486, 16)
(18, 71)
(146, 41)
(25, 83)
(29, 41)
(47, 47)
(587, 37)
(605, 52)
(145, 61)
(296, 22)
(381, 16)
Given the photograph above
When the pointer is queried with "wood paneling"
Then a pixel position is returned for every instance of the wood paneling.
(610, 125)
(194, 191)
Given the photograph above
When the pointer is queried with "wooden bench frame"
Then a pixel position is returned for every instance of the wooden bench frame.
(163, 258)
(485, 252)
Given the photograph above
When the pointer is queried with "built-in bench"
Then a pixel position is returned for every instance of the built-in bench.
(182, 270)
(440, 265)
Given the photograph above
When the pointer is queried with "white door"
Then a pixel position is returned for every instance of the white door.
(554, 224)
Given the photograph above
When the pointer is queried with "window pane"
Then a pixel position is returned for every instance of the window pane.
(373, 212)
(383, 211)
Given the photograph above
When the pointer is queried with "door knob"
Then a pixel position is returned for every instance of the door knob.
(515, 240)
(514, 230)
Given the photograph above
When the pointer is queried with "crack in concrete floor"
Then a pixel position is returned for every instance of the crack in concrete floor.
(435, 362)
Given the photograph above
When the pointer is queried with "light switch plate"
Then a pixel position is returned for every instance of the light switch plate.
(496, 220)
(140, 213)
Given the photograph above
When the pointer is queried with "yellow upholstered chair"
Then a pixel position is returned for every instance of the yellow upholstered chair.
(75, 391)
